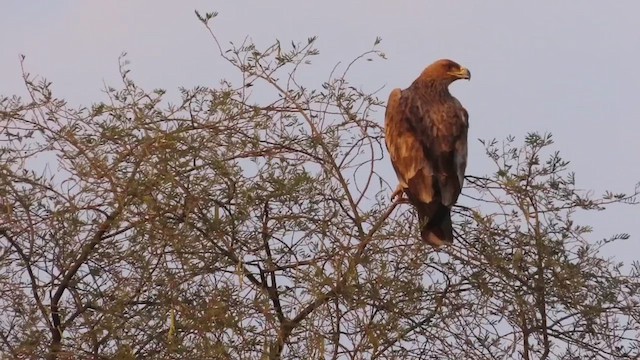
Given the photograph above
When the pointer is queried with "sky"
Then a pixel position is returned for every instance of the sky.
(570, 68)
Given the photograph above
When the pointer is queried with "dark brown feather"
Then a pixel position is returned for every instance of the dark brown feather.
(426, 135)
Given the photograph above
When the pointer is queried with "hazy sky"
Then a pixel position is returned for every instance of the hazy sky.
(571, 68)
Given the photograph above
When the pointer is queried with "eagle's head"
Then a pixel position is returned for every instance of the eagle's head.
(445, 70)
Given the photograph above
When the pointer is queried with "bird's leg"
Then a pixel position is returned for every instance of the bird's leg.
(397, 192)
(397, 195)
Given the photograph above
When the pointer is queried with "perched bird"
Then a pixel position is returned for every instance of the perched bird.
(426, 136)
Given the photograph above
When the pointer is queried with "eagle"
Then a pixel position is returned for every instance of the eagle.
(426, 136)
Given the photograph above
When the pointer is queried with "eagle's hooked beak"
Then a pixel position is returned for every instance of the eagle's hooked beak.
(464, 73)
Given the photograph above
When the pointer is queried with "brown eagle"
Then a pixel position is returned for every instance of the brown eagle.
(426, 135)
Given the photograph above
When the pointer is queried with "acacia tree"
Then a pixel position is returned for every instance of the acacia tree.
(226, 226)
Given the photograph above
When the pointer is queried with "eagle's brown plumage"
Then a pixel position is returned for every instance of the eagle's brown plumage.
(426, 135)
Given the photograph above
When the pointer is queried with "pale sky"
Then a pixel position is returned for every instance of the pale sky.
(570, 68)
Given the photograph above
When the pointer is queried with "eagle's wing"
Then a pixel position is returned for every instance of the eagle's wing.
(407, 153)
(461, 147)
(441, 129)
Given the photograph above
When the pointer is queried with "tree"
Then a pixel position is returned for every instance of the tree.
(226, 227)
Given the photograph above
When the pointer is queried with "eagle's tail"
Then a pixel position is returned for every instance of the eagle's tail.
(435, 230)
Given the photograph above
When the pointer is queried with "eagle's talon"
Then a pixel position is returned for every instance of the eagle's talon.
(398, 195)
(402, 200)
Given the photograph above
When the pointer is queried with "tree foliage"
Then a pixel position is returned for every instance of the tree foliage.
(251, 221)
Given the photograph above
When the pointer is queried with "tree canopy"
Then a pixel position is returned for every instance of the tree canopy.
(230, 225)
